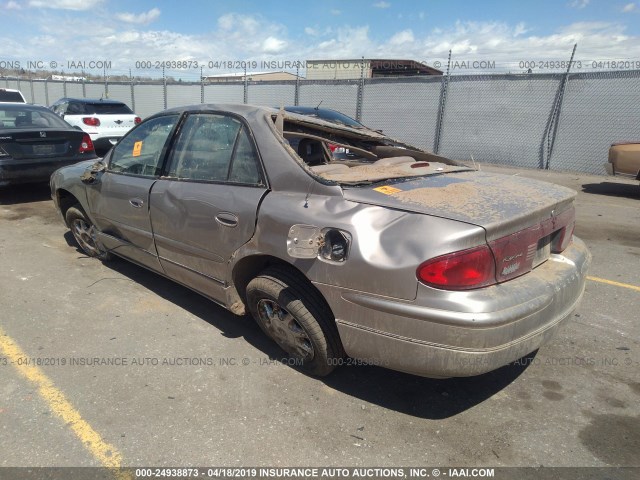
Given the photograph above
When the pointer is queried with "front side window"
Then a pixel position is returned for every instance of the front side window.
(215, 148)
(141, 151)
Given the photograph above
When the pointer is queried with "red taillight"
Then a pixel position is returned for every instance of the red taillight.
(137, 120)
(86, 145)
(463, 270)
(336, 148)
(91, 121)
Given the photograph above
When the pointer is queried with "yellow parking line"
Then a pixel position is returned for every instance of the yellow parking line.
(105, 453)
(611, 282)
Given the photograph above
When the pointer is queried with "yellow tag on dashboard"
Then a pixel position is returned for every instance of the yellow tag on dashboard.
(137, 149)
(387, 190)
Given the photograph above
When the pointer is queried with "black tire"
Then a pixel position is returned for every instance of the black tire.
(83, 232)
(300, 321)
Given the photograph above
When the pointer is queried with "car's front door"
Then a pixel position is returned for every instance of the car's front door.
(119, 202)
(206, 207)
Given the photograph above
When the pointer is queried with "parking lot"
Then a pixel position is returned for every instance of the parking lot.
(108, 364)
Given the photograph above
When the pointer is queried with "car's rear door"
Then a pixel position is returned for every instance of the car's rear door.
(119, 202)
(205, 209)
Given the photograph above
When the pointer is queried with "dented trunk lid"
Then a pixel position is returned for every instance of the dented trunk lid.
(525, 220)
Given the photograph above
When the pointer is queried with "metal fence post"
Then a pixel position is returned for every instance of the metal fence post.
(296, 94)
(133, 95)
(201, 85)
(164, 89)
(106, 83)
(64, 88)
(551, 130)
(443, 101)
(246, 86)
(360, 97)
(46, 91)
(33, 98)
(84, 88)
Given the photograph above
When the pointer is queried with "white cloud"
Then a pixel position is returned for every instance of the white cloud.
(629, 7)
(382, 5)
(403, 37)
(335, 11)
(579, 4)
(520, 29)
(65, 4)
(273, 45)
(144, 18)
(311, 31)
(12, 5)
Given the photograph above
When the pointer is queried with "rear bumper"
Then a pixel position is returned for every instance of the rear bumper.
(462, 333)
(31, 170)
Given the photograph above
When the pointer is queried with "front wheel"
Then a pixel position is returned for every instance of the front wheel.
(84, 233)
(297, 318)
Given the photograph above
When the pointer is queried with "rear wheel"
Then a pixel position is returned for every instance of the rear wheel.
(297, 318)
(84, 233)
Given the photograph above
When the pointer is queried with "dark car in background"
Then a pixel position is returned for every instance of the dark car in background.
(34, 143)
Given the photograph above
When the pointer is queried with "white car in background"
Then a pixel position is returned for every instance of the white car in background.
(106, 121)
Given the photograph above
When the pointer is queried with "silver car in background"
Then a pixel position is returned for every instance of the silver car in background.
(408, 260)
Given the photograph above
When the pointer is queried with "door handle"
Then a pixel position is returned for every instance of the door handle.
(136, 202)
(227, 219)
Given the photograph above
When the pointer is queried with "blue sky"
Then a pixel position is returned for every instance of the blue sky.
(502, 31)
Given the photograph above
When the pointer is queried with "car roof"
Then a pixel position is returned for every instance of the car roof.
(91, 100)
(23, 106)
(248, 110)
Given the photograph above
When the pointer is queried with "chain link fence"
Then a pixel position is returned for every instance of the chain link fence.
(555, 121)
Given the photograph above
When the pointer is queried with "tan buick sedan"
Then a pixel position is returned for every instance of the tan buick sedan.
(399, 258)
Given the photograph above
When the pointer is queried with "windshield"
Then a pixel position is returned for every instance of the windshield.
(29, 116)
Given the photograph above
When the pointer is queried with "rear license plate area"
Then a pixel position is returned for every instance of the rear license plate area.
(543, 251)
(44, 149)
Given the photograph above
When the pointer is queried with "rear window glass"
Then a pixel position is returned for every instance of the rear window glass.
(26, 116)
(7, 96)
(327, 115)
(99, 109)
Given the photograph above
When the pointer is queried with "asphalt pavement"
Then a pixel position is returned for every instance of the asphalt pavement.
(133, 369)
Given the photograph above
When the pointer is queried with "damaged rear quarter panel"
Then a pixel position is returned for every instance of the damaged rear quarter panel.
(387, 244)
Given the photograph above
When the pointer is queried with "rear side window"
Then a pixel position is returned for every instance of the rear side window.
(9, 96)
(215, 148)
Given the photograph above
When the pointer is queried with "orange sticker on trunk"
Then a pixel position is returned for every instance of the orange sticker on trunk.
(137, 149)
(387, 190)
